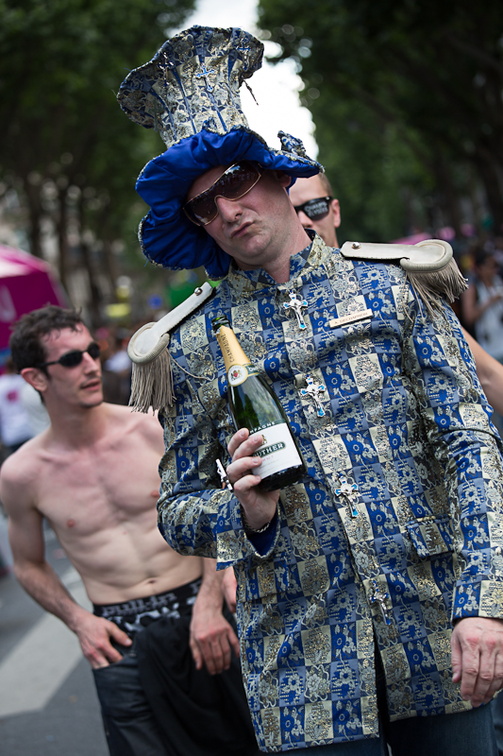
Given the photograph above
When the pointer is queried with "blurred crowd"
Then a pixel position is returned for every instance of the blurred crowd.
(481, 305)
(480, 308)
(115, 363)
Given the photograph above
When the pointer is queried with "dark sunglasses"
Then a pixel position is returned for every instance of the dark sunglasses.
(75, 357)
(233, 184)
(315, 209)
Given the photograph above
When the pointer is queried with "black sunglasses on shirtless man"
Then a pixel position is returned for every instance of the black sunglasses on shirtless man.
(75, 357)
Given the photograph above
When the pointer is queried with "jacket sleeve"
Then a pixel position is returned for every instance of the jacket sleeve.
(195, 515)
(467, 447)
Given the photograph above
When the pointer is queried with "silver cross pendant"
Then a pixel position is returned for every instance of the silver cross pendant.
(314, 390)
(348, 490)
(204, 73)
(297, 305)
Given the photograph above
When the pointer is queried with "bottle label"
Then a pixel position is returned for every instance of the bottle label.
(278, 450)
(238, 374)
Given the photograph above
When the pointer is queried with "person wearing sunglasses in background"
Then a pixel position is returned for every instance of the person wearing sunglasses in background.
(93, 475)
(317, 208)
(369, 593)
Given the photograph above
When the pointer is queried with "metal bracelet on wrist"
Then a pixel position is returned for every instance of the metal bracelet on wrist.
(248, 528)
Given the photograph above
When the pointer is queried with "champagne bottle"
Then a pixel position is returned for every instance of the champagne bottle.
(253, 405)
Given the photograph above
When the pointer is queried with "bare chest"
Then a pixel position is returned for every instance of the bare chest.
(100, 490)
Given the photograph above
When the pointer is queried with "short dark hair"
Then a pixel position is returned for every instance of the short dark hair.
(27, 349)
(327, 186)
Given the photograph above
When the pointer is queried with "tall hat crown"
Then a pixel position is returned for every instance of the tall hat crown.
(193, 83)
(189, 92)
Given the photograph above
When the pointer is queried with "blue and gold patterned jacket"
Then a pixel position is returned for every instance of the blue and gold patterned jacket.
(395, 531)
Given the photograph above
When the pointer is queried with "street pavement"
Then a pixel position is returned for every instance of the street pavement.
(48, 704)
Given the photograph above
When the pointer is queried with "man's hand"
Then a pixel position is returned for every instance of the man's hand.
(212, 639)
(477, 658)
(259, 506)
(94, 634)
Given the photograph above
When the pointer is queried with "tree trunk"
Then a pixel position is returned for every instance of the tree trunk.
(62, 234)
(32, 193)
(95, 301)
(450, 198)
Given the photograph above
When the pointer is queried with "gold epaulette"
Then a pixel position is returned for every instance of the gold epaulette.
(430, 267)
(151, 380)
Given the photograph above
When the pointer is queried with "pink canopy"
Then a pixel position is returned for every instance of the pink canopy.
(26, 283)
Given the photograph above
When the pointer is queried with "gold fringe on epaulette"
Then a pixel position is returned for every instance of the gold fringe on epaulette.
(151, 379)
(447, 283)
(152, 384)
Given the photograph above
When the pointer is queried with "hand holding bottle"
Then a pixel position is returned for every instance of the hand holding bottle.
(259, 506)
(253, 405)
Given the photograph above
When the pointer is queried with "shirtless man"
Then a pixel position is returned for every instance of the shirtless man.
(93, 476)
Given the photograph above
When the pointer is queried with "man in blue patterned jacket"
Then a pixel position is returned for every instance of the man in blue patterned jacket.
(370, 593)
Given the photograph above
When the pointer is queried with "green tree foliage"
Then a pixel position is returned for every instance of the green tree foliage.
(406, 98)
(65, 145)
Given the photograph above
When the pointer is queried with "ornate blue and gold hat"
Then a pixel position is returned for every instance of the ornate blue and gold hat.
(189, 93)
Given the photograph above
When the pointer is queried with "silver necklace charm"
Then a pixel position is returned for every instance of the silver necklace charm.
(349, 491)
(297, 305)
(314, 391)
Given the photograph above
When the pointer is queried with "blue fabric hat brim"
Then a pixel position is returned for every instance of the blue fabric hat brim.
(166, 235)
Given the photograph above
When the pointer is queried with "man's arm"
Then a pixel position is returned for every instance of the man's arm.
(212, 638)
(490, 373)
(41, 582)
(455, 418)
